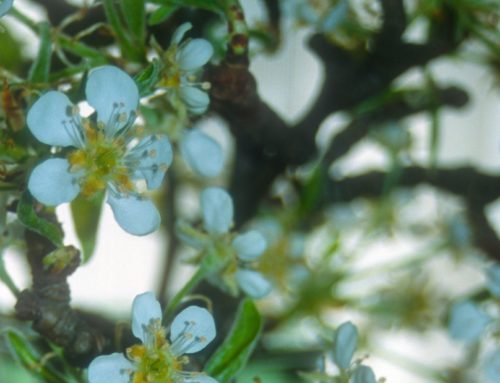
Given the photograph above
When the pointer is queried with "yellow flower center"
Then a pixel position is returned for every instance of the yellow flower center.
(155, 361)
(100, 161)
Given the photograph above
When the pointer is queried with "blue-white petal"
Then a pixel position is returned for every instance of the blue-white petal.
(336, 16)
(253, 283)
(363, 374)
(52, 183)
(194, 54)
(5, 6)
(112, 92)
(491, 367)
(145, 309)
(467, 322)
(155, 156)
(135, 215)
(196, 100)
(217, 209)
(113, 368)
(250, 246)
(202, 153)
(198, 378)
(345, 343)
(50, 121)
(195, 324)
(493, 274)
(180, 32)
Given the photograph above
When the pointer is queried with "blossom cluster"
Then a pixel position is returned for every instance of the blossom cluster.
(157, 360)
(231, 257)
(107, 154)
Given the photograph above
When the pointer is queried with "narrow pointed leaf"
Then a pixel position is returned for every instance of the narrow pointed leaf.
(39, 71)
(148, 78)
(25, 353)
(233, 354)
(161, 14)
(135, 17)
(28, 217)
(86, 215)
(128, 49)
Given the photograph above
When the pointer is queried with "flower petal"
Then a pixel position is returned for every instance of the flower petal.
(180, 32)
(145, 309)
(493, 274)
(135, 215)
(336, 16)
(250, 245)
(113, 368)
(5, 6)
(253, 283)
(345, 343)
(198, 378)
(202, 153)
(194, 54)
(50, 122)
(52, 183)
(191, 330)
(196, 100)
(155, 156)
(467, 321)
(363, 374)
(217, 208)
(111, 91)
(491, 367)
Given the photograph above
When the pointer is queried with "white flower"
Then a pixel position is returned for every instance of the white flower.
(363, 374)
(202, 153)
(107, 156)
(345, 343)
(217, 208)
(5, 6)
(183, 60)
(467, 322)
(491, 367)
(493, 274)
(157, 360)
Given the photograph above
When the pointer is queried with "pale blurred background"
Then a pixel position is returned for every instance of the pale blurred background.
(124, 265)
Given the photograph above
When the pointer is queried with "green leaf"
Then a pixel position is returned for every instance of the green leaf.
(233, 354)
(5, 277)
(148, 78)
(86, 213)
(24, 352)
(135, 17)
(114, 18)
(39, 71)
(161, 14)
(211, 5)
(28, 217)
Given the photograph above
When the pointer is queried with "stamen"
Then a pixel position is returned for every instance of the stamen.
(185, 340)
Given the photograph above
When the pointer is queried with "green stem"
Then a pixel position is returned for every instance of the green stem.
(26, 20)
(188, 287)
(5, 277)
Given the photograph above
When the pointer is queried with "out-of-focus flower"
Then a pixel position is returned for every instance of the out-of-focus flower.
(491, 367)
(217, 208)
(320, 14)
(493, 274)
(467, 322)
(156, 359)
(363, 374)
(183, 60)
(108, 154)
(5, 6)
(202, 153)
(344, 345)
